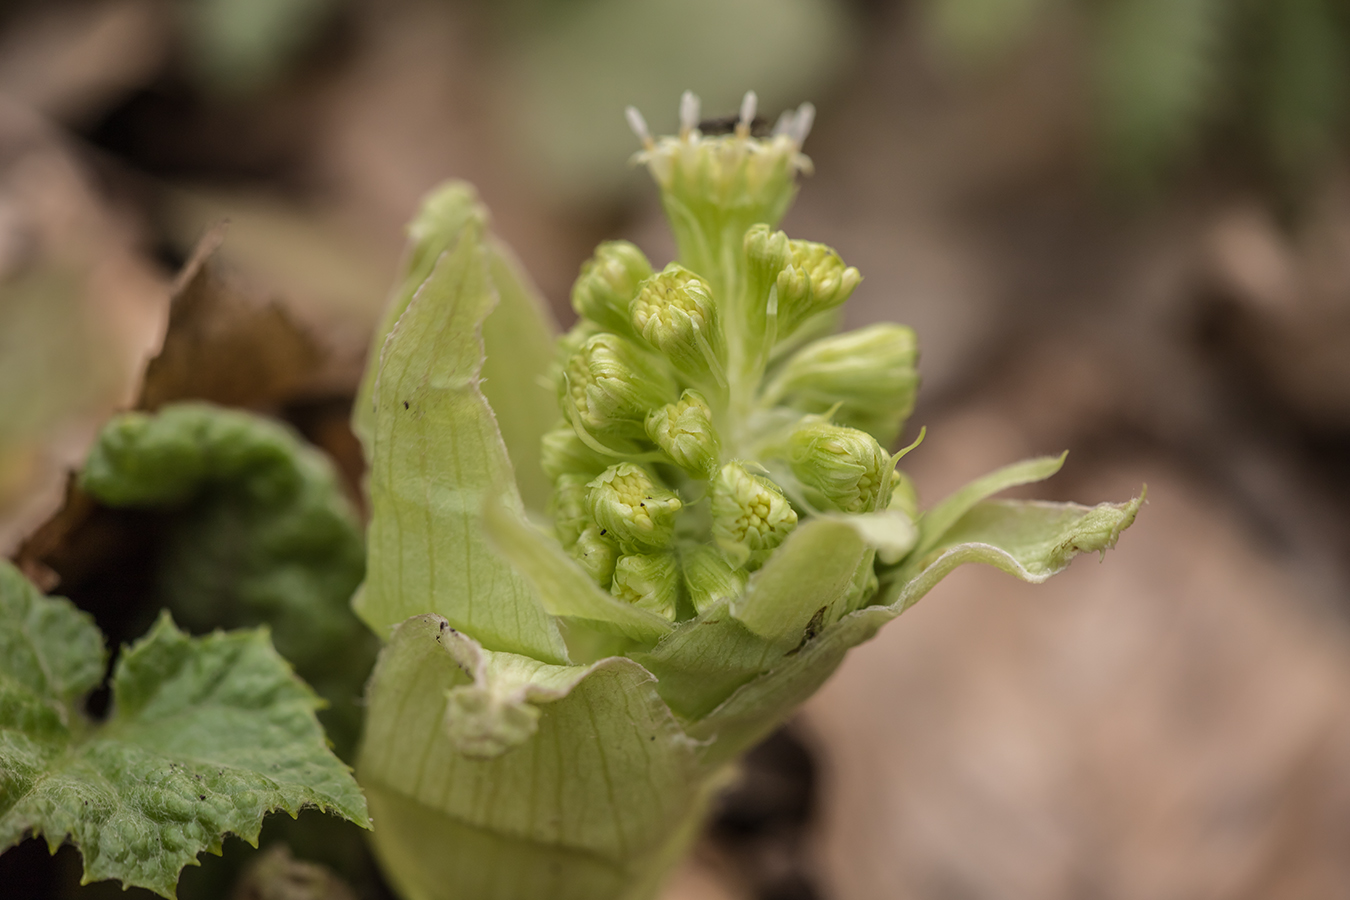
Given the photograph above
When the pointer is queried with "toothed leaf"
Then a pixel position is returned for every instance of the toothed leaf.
(207, 736)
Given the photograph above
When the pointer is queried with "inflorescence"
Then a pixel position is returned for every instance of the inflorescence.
(707, 407)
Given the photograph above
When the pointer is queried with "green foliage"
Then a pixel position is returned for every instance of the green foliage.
(206, 736)
(258, 532)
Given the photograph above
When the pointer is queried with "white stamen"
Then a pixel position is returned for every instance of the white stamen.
(689, 112)
(801, 125)
(639, 125)
(748, 107)
(784, 123)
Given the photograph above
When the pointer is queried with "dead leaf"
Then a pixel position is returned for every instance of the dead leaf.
(223, 345)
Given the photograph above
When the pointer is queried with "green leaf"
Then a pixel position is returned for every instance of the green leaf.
(747, 715)
(518, 341)
(206, 737)
(807, 585)
(259, 532)
(438, 456)
(517, 336)
(890, 532)
(810, 575)
(49, 650)
(1028, 539)
(605, 789)
(705, 659)
(443, 216)
(935, 522)
(561, 585)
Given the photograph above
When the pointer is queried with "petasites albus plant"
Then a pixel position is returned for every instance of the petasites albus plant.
(608, 563)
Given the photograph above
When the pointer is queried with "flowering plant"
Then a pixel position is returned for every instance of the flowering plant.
(605, 564)
(608, 564)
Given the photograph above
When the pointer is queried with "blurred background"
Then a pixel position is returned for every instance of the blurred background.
(1120, 227)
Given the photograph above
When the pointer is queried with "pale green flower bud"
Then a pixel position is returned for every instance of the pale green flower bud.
(815, 280)
(608, 283)
(568, 507)
(674, 312)
(649, 581)
(612, 384)
(710, 579)
(869, 373)
(750, 515)
(596, 554)
(563, 453)
(844, 467)
(631, 508)
(767, 252)
(684, 431)
(569, 344)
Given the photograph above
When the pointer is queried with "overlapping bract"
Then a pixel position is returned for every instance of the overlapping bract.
(724, 523)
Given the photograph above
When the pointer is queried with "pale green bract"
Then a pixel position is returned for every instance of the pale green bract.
(206, 736)
(567, 680)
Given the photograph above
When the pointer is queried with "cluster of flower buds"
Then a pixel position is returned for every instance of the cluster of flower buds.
(728, 521)
(700, 423)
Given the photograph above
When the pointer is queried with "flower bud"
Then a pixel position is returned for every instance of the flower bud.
(868, 373)
(750, 515)
(607, 284)
(568, 507)
(674, 312)
(767, 252)
(596, 554)
(814, 281)
(631, 509)
(710, 579)
(684, 431)
(844, 467)
(613, 384)
(649, 581)
(563, 453)
(568, 345)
